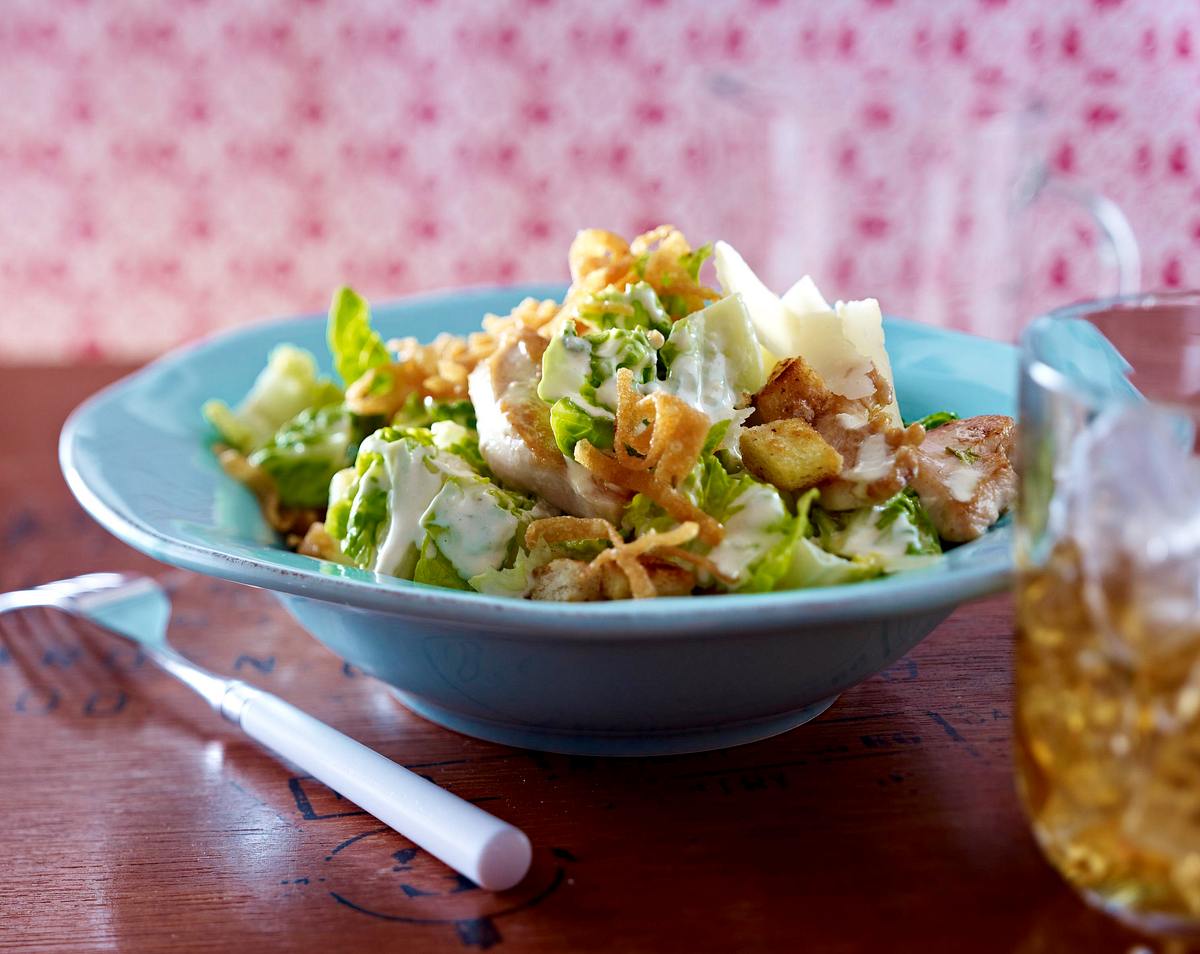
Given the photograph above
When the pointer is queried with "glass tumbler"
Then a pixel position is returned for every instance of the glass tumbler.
(1107, 714)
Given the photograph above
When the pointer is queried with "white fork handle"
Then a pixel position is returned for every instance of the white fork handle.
(490, 852)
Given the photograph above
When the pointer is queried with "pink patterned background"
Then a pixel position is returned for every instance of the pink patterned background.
(171, 168)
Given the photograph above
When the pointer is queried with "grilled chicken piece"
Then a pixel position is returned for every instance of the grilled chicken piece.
(515, 437)
(878, 458)
(965, 477)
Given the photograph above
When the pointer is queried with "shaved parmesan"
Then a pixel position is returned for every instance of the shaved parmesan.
(804, 297)
(862, 324)
(840, 343)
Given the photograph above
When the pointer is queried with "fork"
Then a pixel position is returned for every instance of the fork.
(491, 852)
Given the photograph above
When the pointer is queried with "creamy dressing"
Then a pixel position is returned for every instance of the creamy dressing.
(855, 421)
(414, 482)
(890, 546)
(875, 459)
(473, 528)
(962, 482)
(747, 535)
(566, 368)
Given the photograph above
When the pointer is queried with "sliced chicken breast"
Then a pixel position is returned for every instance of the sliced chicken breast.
(515, 437)
(964, 475)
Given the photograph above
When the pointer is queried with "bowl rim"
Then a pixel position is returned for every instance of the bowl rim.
(917, 591)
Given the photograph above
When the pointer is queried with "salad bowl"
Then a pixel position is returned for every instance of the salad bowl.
(634, 677)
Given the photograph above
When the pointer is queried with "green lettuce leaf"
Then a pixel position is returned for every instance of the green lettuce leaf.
(422, 411)
(936, 419)
(579, 381)
(759, 529)
(570, 424)
(355, 346)
(288, 385)
(434, 569)
(635, 307)
(809, 565)
(692, 261)
(305, 453)
(896, 534)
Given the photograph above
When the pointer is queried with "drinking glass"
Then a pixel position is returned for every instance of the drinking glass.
(1107, 715)
(934, 199)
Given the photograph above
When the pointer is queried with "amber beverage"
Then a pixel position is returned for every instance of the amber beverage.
(1108, 651)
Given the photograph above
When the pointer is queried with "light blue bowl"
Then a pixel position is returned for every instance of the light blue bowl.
(622, 678)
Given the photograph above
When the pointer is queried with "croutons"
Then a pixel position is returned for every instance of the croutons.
(793, 390)
(565, 581)
(789, 454)
(668, 579)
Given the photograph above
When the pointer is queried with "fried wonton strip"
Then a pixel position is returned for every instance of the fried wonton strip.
(654, 540)
(567, 530)
(641, 587)
(673, 502)
(702, 562)
(634, 426)
(677, 439)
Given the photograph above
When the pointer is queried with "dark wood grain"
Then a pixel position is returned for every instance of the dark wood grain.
(135, 820)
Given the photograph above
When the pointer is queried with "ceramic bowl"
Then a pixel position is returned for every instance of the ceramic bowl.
(619, 678)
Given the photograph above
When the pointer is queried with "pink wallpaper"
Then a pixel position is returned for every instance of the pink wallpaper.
(171, 168)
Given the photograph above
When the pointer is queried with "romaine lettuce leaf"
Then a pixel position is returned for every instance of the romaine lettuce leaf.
(355, 346)
(759, 528)
(635, 307)
(288, 385)
(305, 453)
(810, 565)
(581, 370)
(409, 506)
(936, 419)
(713, 362)
(571, 424)
(421, 411)
(896, 534)
(434, 569)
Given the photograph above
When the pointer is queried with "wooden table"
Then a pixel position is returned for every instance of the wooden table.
(135, 820)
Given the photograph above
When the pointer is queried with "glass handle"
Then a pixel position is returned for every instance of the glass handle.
(1119, 251)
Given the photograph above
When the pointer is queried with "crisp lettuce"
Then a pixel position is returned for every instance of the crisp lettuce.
(356, 347)
(434, 569)
(571, 424)
(635, 307)
(896, 534)
(713, 362)
(288, 385)
(936, 419)
(420, 411)
(412, 508)
(692, 261)
(812, 566)
(759, 529)
(579, 379)
(462, 441)
(305, 453)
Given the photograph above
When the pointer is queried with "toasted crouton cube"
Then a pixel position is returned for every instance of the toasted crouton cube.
(565, 581)
(789, 454)
(794, 389)
(668, 579)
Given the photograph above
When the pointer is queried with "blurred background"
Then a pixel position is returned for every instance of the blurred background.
(171, 168)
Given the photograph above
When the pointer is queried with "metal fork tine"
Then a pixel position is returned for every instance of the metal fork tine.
(83, 673)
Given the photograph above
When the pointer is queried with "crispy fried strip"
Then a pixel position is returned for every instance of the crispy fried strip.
(567, 529)
(662, 494)
(640, 585)
(679, 434)
(696, 559)
(634, 427)
(654, 540)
